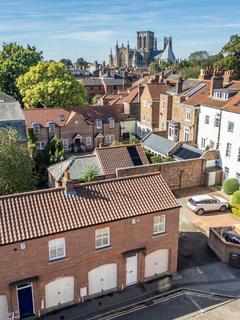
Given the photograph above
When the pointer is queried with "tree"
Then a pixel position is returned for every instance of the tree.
(231, 51)
(16, 60)
(198, 56)
(90, 173)
(96, 99)
(154, 68)
(133, 139)
(15, 164)
(54, 150)
(80, 62)
(49, 84)
(66, 62)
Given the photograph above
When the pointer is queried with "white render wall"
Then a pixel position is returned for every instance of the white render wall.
(207, 131)
(234, 138)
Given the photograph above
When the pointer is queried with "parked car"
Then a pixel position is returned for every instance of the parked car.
(232, 236)
(204, 203)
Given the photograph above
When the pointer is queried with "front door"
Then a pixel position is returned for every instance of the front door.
(25, 301)
(131, 270)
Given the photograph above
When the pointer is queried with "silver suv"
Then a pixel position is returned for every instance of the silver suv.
(203, 203)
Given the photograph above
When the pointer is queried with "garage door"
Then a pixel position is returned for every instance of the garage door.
(3, 307)
(156, 262)
(59, 291)
(102, 278)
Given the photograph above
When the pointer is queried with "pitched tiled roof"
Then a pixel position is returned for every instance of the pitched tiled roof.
(112, 158)
(234, 104)
(132, 97)
(155, 89)
(37, 214)
(43, 116)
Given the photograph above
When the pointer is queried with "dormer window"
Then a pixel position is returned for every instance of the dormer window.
(51, 127)
(62, 117)
(36, 128)
(111, 123)
(99, 124)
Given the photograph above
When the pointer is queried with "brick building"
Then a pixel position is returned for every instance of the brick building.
(81, 128)
(64, 245)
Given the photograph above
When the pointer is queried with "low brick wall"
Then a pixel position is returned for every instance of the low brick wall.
(219, 245)
(177, 174)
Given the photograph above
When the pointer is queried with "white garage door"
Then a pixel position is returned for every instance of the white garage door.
(59, 291)
(3, 307)
(156, 262)
(102, 278)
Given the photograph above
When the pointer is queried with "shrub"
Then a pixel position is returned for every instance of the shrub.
(155, 159)
(236, 199)
(230, 186)
(133, 139)
(236, 211)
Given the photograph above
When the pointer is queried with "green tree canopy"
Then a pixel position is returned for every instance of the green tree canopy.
(15, 164)
(198, 56)
(154, 68)
(50, 85)
(80, 62)
(66, 62)
(15, 60)
(96, 99)
(54, 150)
(231, 52)
(90, 173)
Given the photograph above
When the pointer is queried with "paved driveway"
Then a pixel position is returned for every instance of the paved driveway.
(190, 221)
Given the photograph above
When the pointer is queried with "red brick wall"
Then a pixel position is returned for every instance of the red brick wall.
(16, 264)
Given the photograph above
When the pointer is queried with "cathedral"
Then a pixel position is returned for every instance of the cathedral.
(146, 52)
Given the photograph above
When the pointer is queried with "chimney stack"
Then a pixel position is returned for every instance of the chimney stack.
(216, 80)
(179, 85)
(68, 184)
(229, 76)
(140, 91)
(206, 74)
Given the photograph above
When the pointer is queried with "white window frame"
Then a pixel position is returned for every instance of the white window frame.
(230, 127)
(217, 120)
(109, 138)
(187, 134)
(102, 238)
(159, 224)
(188, 115)
(99, 124)
(238, 158)
(51, 127)
(228, 149)
(211, 144)
(203, 143)
(40, 145)
(36, 128)
(88, 141)
(56, 245)
(111, 123)
(207, 119)
(163, 105)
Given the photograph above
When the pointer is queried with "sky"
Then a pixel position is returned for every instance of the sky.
(89, 28)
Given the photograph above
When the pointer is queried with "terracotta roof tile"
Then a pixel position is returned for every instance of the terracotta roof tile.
(234, 104)
(132, 97)
(37, 214)
(112, 158)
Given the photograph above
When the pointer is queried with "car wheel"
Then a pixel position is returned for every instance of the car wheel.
(223, 208)
(200, 211)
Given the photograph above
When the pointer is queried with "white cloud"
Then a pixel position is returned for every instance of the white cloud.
(86, 36)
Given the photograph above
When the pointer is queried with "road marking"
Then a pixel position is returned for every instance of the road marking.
(198, 270)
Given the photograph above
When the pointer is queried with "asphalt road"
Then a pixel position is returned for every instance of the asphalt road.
(173, 307)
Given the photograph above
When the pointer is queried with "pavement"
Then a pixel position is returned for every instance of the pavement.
(202, 286)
